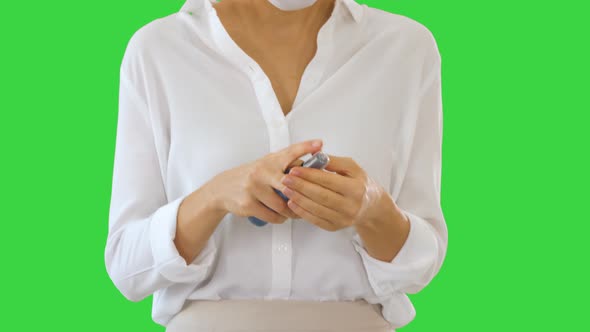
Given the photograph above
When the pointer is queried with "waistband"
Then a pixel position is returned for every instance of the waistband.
(278, 315)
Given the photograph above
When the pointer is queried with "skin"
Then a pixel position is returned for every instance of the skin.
(245, 190)
(333, 201)
(283, 43)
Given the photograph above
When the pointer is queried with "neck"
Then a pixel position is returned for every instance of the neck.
(265, 12)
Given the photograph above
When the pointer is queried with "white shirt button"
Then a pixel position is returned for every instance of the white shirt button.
(282, 248)
(277, 123)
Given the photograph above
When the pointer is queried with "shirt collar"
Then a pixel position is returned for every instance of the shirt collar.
(355, 10)
(196, 7)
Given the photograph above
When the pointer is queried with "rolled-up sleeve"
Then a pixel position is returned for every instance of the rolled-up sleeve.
(423, 252)
(140, 254)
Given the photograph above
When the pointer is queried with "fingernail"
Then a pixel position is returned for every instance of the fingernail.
(288, 192)
(287, 180)
(317, 143)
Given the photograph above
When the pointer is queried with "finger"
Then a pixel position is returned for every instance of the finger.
(294, 151)
(267, 196)
(264, 213)
(296, 163)
(344, 166)
(333, 181)
(307, 216)
(318, 210)
(317, 193)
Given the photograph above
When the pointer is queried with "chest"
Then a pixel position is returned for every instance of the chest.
(214, 117)
(282, 56)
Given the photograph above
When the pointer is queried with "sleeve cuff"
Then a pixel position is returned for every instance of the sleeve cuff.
(167, 260)
(398, 310)
(408, 270)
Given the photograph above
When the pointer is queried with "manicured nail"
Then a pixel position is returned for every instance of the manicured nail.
(287, 180)
(288, 192)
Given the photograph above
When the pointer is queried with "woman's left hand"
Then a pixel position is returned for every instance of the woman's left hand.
(333, 201)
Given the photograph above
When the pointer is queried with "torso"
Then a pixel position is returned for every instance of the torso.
(283, 52)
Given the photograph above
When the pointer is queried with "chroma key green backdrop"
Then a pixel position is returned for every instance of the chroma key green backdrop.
(515, 163)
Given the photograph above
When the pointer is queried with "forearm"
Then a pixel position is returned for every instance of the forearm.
(199, 214)
(384, 233)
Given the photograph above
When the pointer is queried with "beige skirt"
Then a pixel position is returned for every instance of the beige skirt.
(279, 315)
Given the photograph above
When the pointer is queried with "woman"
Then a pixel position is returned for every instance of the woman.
(216, 102)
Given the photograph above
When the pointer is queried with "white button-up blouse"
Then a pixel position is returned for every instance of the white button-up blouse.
(192, 104)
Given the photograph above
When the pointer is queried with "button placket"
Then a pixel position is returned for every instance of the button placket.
(278, 138)
(281, 260)
(281, 233)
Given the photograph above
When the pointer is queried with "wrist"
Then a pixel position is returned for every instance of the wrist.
(385, 233)
(197, 219)
(385, 212)
(214, 202)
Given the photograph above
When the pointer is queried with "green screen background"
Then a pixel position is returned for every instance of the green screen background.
(515, 163)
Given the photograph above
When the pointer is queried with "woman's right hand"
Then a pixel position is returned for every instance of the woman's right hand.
(247, 190)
